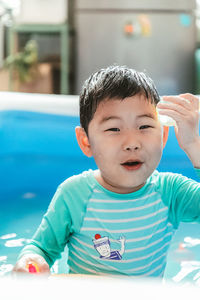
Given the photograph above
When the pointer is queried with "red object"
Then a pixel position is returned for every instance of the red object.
(32, 268)
(97, 236)
(129, 29)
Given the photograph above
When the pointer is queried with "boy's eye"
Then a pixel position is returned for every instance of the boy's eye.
(113, 129)
(145, 127)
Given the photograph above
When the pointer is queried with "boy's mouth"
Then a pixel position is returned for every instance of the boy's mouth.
(132, 164)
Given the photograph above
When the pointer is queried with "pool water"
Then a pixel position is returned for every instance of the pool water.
(20, 215)
(38, 151)
(184, 255)
(23, 217)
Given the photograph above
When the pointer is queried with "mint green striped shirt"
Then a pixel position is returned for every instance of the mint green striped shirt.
(118, 234)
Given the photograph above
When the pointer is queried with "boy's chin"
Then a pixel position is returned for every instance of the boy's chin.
(127, 189)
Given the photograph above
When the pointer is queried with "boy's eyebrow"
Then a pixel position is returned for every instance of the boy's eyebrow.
(109, 118)
(147, 115)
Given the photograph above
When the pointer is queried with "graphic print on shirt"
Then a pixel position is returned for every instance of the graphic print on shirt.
(102, 245)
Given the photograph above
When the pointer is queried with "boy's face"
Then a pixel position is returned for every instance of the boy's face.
(125, 139)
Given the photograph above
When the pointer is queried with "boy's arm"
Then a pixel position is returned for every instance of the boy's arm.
(64, 217)
(182, 196)
(50, 238)
(184, 109)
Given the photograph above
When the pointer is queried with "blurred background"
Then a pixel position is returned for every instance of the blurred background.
(49, 46)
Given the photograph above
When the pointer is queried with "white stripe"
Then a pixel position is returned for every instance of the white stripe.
(97, 191)
(73, 271)
(145, 237)
(161, 267)
(128, 220)
(124, 210)
(152, 271)
(84, 252)
(100, 266)
(84, 268)
(147, 256)
(121, 201)
(149, 245)
(82, 243)
(87, 269)
(162, 273)
(148, 265)
(87, 262)
(123, 230)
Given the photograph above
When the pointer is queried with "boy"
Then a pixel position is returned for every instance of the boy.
(120, 218)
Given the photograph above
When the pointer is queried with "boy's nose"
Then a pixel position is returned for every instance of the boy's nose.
(131, 143)
(131, 148)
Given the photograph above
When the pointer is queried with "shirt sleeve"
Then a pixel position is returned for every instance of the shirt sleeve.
(63, 217)
(54, 231)
(182, 196)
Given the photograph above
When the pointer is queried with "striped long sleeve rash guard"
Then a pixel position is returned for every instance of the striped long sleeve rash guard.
(118, 234)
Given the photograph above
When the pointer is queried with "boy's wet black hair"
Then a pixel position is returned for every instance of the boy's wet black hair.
(117, 82)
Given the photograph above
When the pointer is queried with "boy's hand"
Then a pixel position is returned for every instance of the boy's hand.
(22, 264)
(184, 109)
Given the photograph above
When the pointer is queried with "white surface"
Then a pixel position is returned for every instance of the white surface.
(43, 12)
(95, 288)
(44, 103)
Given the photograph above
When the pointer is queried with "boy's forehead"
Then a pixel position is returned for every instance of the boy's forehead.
(133, 98)
(127, 108)
(135, 101)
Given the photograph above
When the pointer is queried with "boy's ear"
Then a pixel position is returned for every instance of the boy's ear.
(165, 135)
(83, 141)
